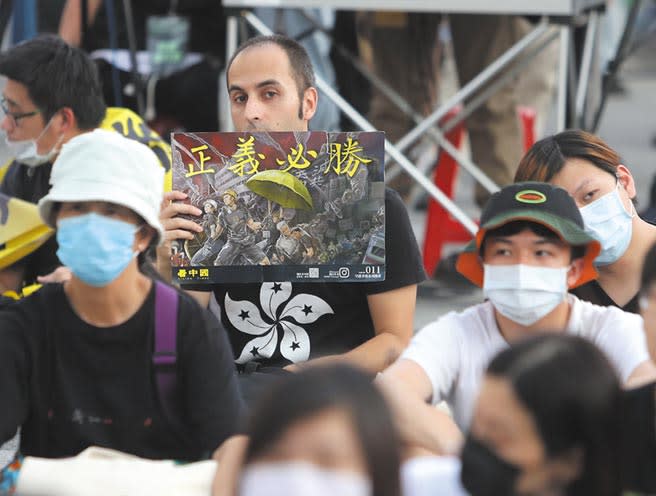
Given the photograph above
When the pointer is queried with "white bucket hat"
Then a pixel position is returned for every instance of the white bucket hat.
(105, 166)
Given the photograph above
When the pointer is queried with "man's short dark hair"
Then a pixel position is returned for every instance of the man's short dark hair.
(299, 60)
(57, 75)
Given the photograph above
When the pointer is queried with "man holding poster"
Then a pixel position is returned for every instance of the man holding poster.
(284, 323)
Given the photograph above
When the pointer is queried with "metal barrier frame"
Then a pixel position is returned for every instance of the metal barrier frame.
(517, 54)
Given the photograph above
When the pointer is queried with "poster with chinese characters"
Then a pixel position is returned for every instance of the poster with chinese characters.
(281, 206)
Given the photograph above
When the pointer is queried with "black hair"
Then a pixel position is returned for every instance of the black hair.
(299, 61)
(515, 227)
(147, 259)
(314, 390)
(573, 395)
(546, 158)
(57, 75)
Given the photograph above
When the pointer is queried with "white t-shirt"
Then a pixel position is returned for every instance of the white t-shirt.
(455, 350)
(432, 476)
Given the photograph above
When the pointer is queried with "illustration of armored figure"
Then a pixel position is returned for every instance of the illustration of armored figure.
(294, 246)
(269, 232)
(213, 243)
(235, 220)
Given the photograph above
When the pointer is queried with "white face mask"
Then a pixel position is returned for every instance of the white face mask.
(524, 293)
(301, 479)
(25, 151)
(607, 221)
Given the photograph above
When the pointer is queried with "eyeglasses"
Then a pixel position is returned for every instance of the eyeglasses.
(15, 116)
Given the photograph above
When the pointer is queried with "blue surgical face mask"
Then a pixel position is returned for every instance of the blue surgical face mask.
(607, 220)
(96, 248)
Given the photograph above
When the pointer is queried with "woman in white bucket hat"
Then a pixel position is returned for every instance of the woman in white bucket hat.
(111, 357)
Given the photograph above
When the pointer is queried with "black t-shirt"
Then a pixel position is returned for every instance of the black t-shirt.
(31, 184)
(638, 430)
(278, 323)
(594, 293)
(27, 183)
(71, 385)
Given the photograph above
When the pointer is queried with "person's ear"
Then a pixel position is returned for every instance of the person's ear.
(145, 235)
(310, 101)
(626, 180)
(574, 272)
(66, 120)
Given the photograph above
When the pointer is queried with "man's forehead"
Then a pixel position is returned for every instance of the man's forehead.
(267, 49)
(527, 234)
(272, 64)
(16, 93)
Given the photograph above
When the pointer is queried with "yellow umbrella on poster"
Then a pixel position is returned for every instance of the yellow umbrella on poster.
(281, 187)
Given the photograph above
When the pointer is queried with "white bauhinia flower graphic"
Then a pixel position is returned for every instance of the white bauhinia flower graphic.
(302, 309)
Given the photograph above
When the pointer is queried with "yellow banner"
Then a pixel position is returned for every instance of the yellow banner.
(21, 229)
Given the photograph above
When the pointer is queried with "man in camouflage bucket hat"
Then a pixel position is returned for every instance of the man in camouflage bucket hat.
(531, 248)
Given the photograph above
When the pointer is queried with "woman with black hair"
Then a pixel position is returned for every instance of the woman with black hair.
(605, 192)
(545, 422)
(324, 430)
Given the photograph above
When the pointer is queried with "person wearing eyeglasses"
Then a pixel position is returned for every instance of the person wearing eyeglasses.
(52, 94)
(14, 117)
